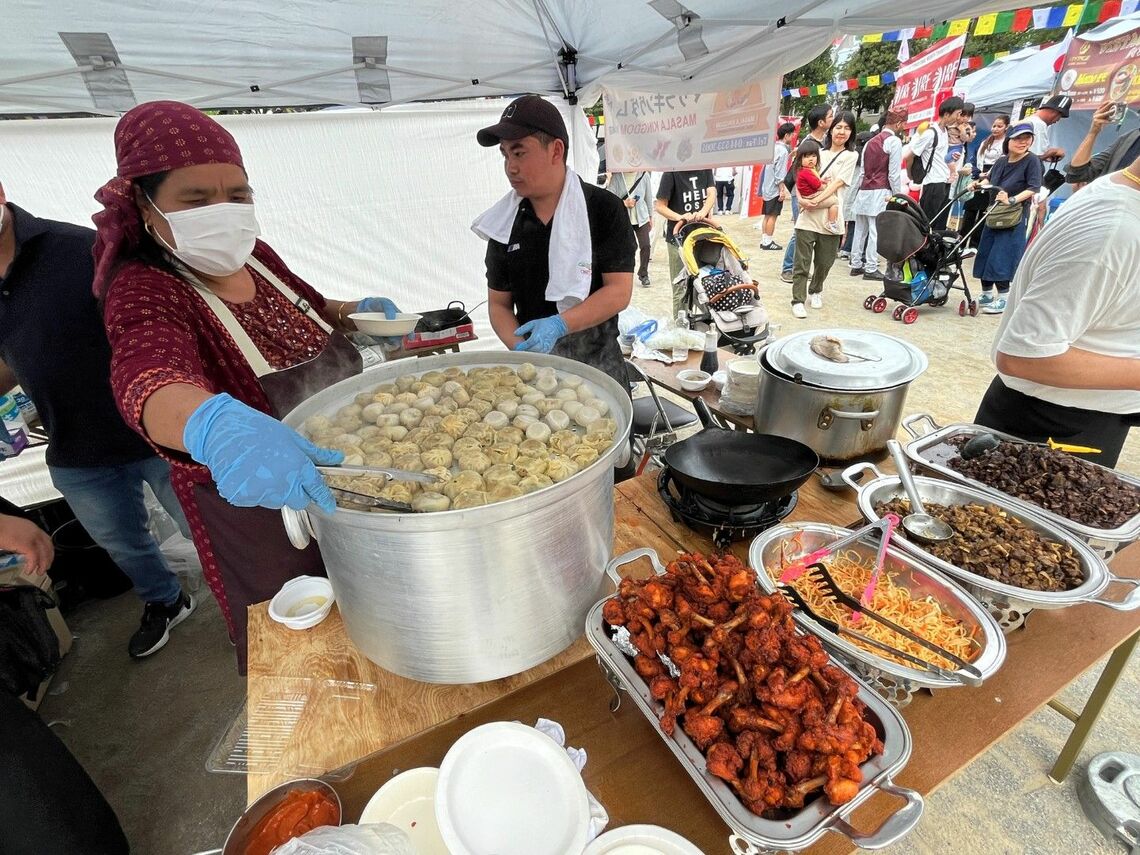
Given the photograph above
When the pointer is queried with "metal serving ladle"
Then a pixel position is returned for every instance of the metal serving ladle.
(918, 522)
(986, 442)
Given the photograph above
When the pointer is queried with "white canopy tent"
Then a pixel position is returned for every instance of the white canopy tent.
(103, 56)
(380, 201)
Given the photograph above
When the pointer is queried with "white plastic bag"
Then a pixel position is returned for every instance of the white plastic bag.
(378, 838)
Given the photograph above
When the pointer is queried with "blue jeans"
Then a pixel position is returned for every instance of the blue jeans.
(108, 502)
(790, 249)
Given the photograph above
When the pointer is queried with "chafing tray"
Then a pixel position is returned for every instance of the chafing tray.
(895, 679)
(932, 449)
(752, 834)
(1096, 575)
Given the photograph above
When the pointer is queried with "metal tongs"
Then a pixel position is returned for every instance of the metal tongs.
(387, 472)
(827, 623)
(966, 673)
(799, 565)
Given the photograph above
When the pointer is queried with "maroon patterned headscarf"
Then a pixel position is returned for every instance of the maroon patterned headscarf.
(154, 137)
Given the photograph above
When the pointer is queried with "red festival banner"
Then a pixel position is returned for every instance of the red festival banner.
(921, 81)
(1099, 71)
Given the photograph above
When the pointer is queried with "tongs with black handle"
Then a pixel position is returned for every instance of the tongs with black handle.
(966, 673)
(828, 624)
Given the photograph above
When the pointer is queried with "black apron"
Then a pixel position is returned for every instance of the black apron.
(250, 546)
(1032, 419)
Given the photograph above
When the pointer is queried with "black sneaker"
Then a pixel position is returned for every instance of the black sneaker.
(771, 246)
(874, 276)
(855, 271)
(157, 621)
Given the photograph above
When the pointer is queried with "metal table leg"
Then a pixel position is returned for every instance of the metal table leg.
(1084, 720)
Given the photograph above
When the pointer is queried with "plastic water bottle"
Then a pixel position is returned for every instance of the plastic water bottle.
(680, 352)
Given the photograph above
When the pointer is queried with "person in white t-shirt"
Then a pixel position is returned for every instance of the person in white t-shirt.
(725, 178)
(929, 149)
(1047, 115)
(1068, 348)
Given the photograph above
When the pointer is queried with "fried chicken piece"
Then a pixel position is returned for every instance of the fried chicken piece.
(724, 761)
(742, 718)
(704, 727)
(648, 668)
(797, 766)
(765, 644)
(806, 651)
(661, 686)
(613, 612)
(843, 779)
(657, 593)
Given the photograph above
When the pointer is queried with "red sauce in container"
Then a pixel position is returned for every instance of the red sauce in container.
(300, 811)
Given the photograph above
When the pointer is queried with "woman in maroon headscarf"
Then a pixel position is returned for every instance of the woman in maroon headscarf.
(213, 339)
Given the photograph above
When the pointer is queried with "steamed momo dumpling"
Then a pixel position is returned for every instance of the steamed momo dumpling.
(496, 419)
(381, 459)
(503, 492)
(383, 398)
(417, 435)
(408, 398)
(527, 372)
(368, 432)
(571, 408)
(480, 406)
(399, 449)
(394, 432)
(533, 448)
(584, 455)
(435, 378)
(465, 445)
(546, 405)
(560, 467)
(546, 384)
(434, 457)
(510, 434)
(562, 441)
(409, 462)
(509, 407)
(396, 407)
(468, 499)
(411, 417)
(469, 415)
(571, 381)
(387, 419)
(529, 410)
(439, 439)
(349, 423)
(557, 420)
(531, 465)
(428, 502)
(442, 476)
(398, 491)
(598, 404)
(540, 431)
(501, 473)
(586, 416)
(523, 422)
(603, 426)
(532, 398)
(503, 452)
(566, 395)
(316, 424)
(463, 481)
(354, 459)
(600, 441)
(475, 461)
(535, 482)
(370, 412)
(481, 431)
(454, 425)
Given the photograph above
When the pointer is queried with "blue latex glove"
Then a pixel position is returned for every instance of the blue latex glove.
(257, 461)
(390, 310)
(378, 304)
(542, 334)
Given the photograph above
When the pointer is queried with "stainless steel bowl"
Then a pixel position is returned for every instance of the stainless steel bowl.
(753, 834)
(239, 835)
(907, 572)
(1096, 574)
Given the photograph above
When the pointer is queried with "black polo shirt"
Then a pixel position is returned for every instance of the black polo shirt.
(521, 266)
(52, 338)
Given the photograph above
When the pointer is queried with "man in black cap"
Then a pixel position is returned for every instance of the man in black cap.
(555, 283)
(1047, 115)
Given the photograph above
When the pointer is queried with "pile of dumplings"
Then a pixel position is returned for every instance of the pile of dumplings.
(488, 434)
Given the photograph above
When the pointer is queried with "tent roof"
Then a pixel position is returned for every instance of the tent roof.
(103, 56)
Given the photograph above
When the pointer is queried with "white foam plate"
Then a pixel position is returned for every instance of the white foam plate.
(375, 323)
(408, 802)
(508, 789)
(641, 840)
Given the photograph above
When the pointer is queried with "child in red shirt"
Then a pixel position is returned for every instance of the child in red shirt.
(808, 181)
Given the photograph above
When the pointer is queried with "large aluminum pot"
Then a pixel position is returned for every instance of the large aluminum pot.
(478, 594)
(842, 411)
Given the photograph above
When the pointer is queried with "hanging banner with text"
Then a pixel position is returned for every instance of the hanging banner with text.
(920, 82)
(1099, 71)
(695, 131)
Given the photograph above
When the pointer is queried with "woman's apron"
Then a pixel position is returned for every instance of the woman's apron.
(252, 552)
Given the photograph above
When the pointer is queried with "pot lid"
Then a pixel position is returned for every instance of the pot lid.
(874, 360)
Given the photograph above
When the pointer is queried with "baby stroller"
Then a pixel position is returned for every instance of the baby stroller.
(718, 291)
(923, 264)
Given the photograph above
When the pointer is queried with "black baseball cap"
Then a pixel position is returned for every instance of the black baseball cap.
(526, 115)
(1060, 103)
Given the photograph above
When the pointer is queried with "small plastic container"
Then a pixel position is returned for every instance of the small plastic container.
(376, 323)
(693, 380)
(302, 602)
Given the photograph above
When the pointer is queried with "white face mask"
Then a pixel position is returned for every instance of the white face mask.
(215, 239)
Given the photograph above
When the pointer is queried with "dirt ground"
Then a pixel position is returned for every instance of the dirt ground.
(958, 348)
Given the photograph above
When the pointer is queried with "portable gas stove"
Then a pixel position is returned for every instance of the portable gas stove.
(726, 524)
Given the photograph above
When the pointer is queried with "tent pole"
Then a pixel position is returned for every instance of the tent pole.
(538, 8)
(623, 66)
(61, 108)
(134, 69)
(47, 75)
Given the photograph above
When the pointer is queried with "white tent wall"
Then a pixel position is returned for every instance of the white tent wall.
(357, 203)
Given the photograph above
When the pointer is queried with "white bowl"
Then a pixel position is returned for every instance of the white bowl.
(641, 840)
(375, 323)
(302, 602)
(508, 789)
(693, 380)
(408, 802)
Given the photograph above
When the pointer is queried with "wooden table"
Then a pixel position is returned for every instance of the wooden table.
(666, 376)
(630, 768)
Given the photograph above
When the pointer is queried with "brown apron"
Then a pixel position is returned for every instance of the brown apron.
(252, 552)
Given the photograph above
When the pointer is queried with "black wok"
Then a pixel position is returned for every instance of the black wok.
(735, 467)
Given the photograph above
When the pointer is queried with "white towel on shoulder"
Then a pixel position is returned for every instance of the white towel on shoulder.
(571, 255)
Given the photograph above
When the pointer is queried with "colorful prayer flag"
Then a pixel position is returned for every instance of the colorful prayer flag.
(1072, 15)
(957, 28)
(986, 25)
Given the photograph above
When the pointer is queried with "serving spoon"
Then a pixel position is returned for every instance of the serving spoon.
(918, 523)
(985, 442)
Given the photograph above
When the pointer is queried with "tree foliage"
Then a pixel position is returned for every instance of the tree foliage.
(819, 70)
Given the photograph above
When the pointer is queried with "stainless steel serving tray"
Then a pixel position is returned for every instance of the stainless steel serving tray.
(752, 834)
(932, 450)
(1097, 576)
(907, 572)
